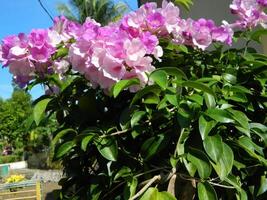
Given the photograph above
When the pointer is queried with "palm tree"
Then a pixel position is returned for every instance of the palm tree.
(103, 11)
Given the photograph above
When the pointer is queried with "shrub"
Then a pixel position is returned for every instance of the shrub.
(145, 110)
(9, 159)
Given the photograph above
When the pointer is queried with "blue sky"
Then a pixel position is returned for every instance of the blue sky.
(21, 16)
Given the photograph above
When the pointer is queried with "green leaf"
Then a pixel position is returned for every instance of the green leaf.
(154, 194)
(150, 194)
(124, 172)
(201, 162)
(86, 141)
(147, 90)
(250, 146)
(219, 115)
(224, 166)
(64, 149)
(242, 195)
(242, 120)
(260, 130)
(172, 98)
(174, 71)
(199, 86)
(256, 35)
(107, 147)
(61, 134)
(130, 188)
(206, 191)
(229, 78)
(151, 146)
(152, 99)
(263, 186)
(196, 98)
(137, 116)
(160, 78)
(205, 126)
(234, 181)
(60, 53)
(165, 196)
(213, 146)
(180, 148)
(39, 110)
(123, 84)
(185, 3)
(181, 47)
(209, 100)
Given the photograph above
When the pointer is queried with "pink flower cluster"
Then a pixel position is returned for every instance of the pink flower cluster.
(106, 55)
(166, 22)
(27, 55)
(250, 12)
(122, 50)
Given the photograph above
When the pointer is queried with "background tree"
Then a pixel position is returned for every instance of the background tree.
(103, 11)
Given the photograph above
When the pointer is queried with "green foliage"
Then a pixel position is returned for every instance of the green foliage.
(103, 11)
(9, 159)
(202, 119)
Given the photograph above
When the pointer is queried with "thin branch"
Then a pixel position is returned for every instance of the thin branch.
(116, 133)
(183, 176)
(220, 185)
(151, 181)
(46, 11)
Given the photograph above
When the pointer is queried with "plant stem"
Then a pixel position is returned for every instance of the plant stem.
(151, 181)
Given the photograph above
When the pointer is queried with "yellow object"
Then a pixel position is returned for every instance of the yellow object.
(38, 191)
(15, 178)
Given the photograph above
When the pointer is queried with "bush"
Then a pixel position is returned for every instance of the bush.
(146, 111)
(9, 159)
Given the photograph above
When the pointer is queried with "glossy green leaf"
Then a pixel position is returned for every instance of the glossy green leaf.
(64, 149)
(209, 100)
(86, 141)
(205, 126)
(124, 172)
(130, 188)
(219, 115)
(155, 89)
(260, 130)
(250, 146)
(225, 163)
(150, 194)
(201, 162)
(234, 181)
(151, 99)
(151, 146)
(108, 148)
(213, 146)
(60, 53)
(196, 98)
(137, 116)
(229, 78)
(123, 84)
(206, 191)
(198, 86)
(39, 110)
(263, 186)
(172, 98)
(61, 134)
(154, 194)
(174, 71)
(160, 78)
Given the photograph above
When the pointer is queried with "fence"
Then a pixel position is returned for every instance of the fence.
(25, 190)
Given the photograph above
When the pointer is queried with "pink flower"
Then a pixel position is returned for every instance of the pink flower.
(250, 13)
(262, 3)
